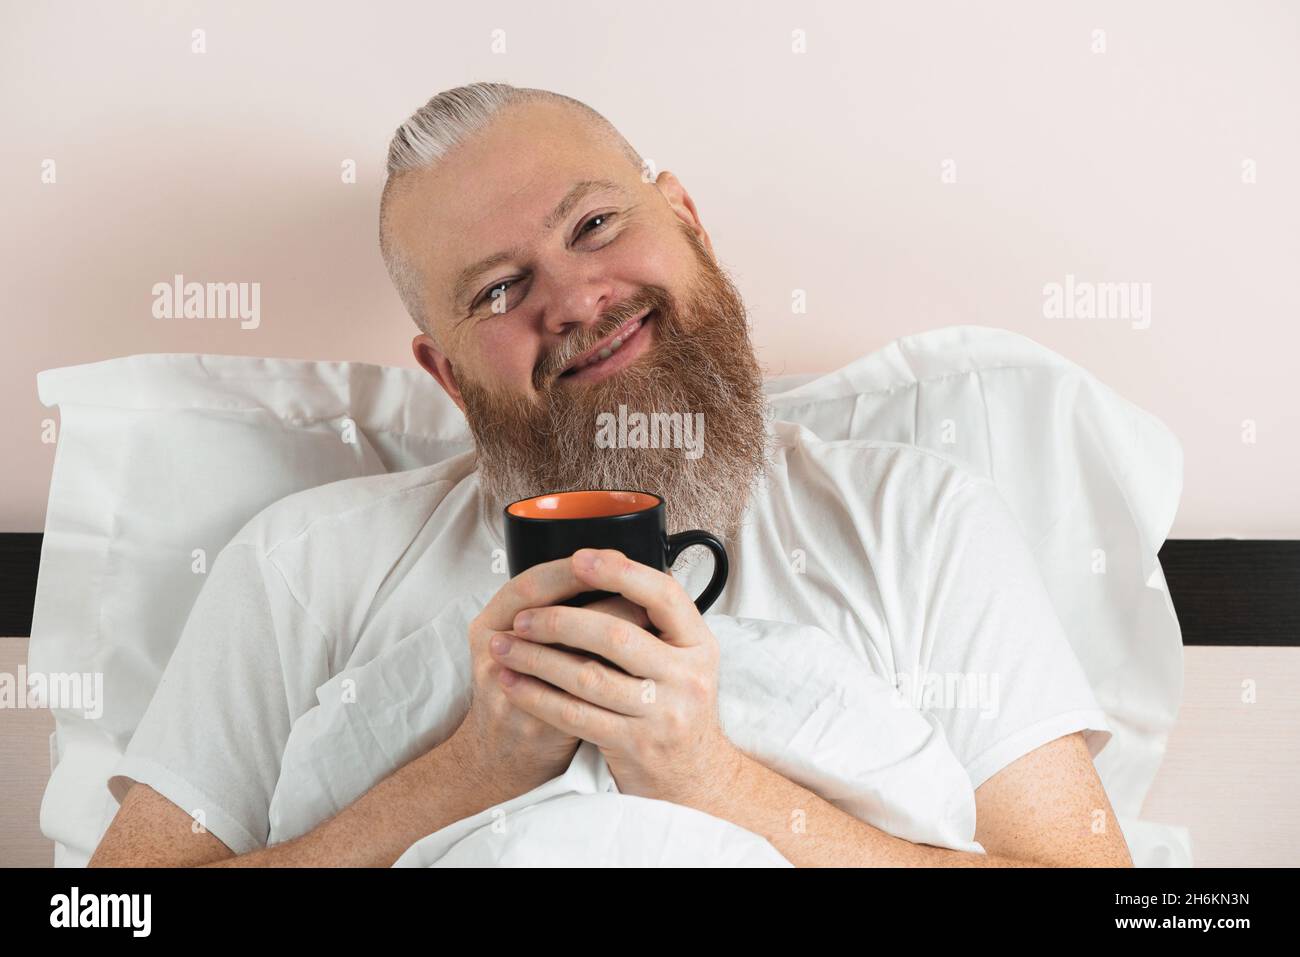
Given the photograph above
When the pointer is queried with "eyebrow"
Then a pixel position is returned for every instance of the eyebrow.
(576, 194)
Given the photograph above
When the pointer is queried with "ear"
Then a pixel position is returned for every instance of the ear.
(684, 207)
(436, 363)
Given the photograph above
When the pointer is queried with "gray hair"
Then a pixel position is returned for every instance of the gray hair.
(434, 130)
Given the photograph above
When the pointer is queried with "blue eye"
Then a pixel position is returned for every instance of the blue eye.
(491, 292)
(500, 288)
(604, 216)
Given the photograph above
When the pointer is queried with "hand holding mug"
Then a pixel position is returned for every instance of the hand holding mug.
(642, 685)
(647, 701)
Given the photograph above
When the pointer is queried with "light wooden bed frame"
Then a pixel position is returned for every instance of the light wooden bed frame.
(1231, 774)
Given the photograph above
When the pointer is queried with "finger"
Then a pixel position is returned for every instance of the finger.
(666, 603)
(620, 607)
(583, 678)
(543, 584)
(621, 642)
(559, 709)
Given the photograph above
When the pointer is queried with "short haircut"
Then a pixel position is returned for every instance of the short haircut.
(450, 118)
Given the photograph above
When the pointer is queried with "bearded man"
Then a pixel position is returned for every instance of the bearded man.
(553, 282)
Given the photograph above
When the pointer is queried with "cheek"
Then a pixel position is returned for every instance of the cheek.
(662, 259)
(505, 357)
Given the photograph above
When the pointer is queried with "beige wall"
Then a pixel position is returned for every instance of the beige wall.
(819, 171)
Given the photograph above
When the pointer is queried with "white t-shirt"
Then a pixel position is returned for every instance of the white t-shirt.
(916, 565)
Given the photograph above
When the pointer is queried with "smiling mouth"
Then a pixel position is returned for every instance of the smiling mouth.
(610, 345)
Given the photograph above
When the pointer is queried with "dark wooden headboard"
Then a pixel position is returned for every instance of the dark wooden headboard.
(1227, 591)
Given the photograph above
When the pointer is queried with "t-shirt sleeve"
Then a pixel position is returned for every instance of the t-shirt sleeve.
(1000, 674)
(213, 735)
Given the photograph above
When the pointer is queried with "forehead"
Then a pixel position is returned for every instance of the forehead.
(495, 190)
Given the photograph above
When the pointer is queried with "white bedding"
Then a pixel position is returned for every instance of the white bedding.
(163, 458)
(791, 696)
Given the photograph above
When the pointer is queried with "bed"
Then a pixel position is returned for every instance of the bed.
(1230, 775)
(1202, 713)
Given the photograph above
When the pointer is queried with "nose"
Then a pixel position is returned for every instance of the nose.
(578, 301)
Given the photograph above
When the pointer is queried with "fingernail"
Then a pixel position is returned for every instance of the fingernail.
(507, 677)
(522, 621)
(500, 644)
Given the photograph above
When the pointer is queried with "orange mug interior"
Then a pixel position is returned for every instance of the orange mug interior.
(583, 504)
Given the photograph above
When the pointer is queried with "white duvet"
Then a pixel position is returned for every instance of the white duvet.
(143, 478)
(791, 696)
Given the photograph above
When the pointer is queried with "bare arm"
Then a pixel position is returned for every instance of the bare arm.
(1046, 809)
(497, 753)
(423, 796)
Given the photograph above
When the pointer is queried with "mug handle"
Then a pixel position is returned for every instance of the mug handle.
(684, 540)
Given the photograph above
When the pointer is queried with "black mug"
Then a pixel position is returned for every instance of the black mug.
(547, 527)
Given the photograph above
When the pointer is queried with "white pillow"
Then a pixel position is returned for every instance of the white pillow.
(161, 459)
(1094, 482)
(163, 455)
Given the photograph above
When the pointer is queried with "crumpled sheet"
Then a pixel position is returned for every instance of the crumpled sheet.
(1089, 476)
(143, 477)
(791, 696)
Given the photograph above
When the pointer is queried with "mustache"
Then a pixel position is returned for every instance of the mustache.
(559, 358)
